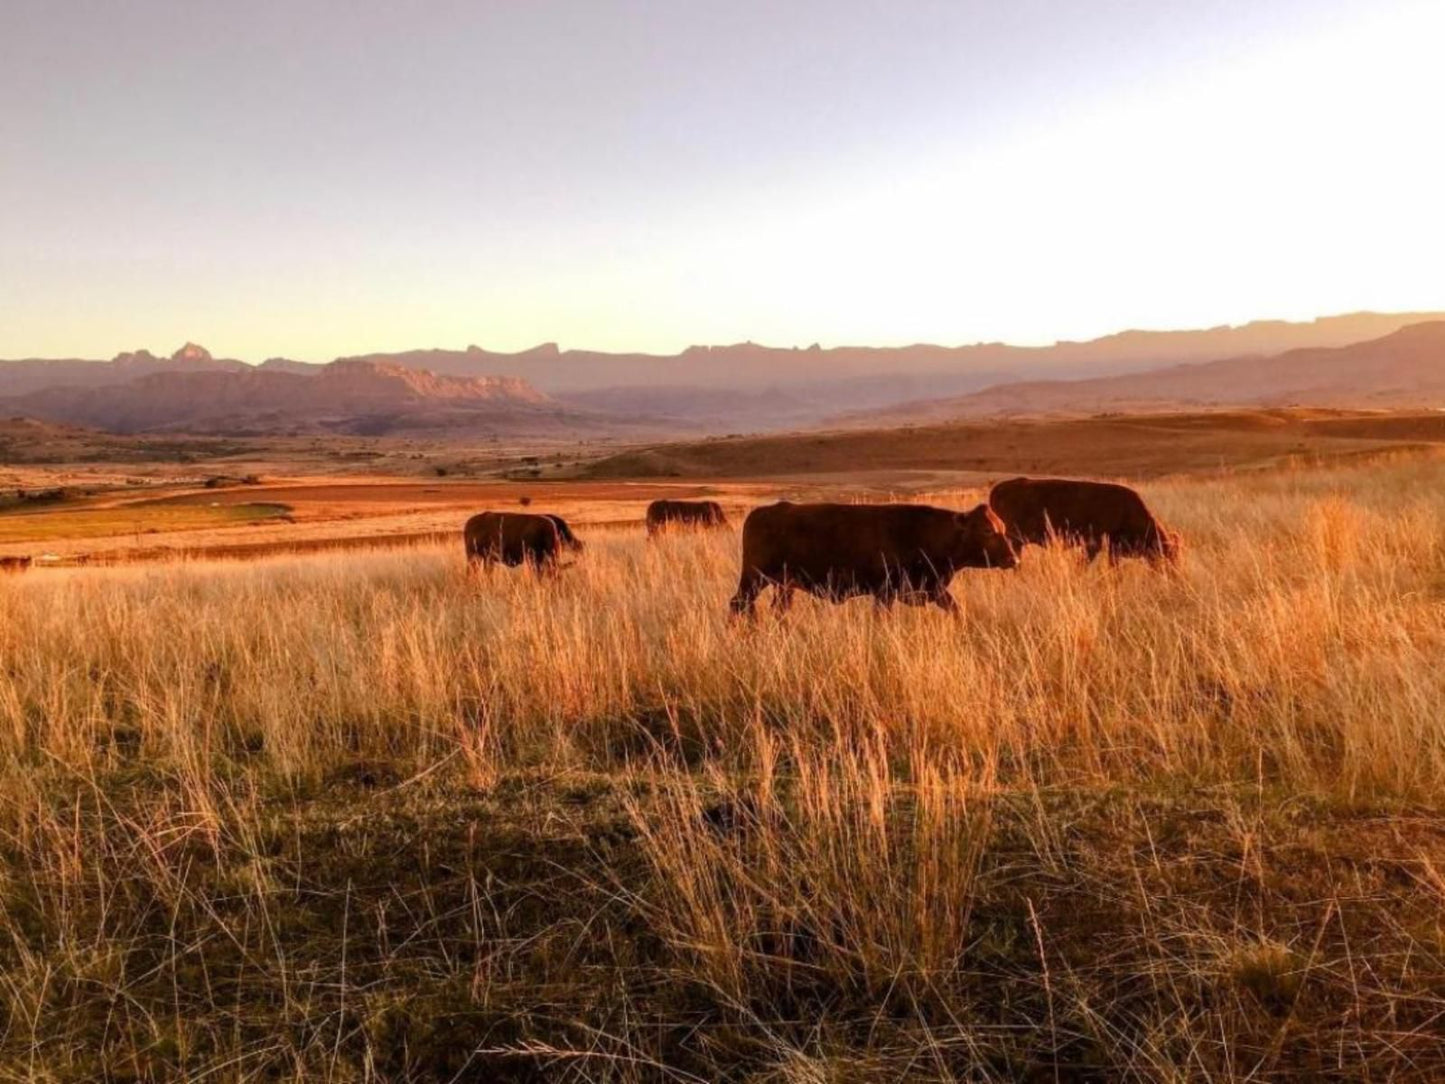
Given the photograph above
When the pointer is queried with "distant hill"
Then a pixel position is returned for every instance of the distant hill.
(744, 387)
(980, 451)
(347, 397)
(1405, 368)
(786, 387)
(37, 374)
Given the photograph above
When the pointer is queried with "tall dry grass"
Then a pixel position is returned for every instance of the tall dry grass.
(1299, 641)
(817, 807)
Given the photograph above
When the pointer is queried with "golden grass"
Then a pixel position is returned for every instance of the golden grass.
(362, 817)
(134, 520)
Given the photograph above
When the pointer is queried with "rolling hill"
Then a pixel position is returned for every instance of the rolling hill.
(1404, 369)
(976, 451)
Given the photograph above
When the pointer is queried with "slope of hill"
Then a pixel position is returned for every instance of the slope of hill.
(1405, 368)
(1142, 446)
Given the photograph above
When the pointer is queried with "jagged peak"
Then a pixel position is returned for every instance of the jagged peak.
(192, 352)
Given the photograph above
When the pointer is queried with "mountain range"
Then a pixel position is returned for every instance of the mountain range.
(1404, 369)
(195, 393)
(717, 388)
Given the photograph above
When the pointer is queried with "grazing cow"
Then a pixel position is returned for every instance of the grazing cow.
(664, 514)
(564, 533)
(513, 538)
(894, 552)
(14, 565)
(1091, 514)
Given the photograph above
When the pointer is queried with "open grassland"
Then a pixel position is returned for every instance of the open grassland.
(307, 514)
(133, 519)
(358, 817)
(347, 493)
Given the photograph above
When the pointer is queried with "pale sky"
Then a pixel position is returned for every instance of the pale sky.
(315, 178)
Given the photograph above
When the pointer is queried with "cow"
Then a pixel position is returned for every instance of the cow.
(564, 533)
(14, 565)
(513, 538)
(662, 515)
(1096, 515)
(894, 552)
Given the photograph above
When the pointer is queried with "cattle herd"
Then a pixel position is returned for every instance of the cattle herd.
(893, 552)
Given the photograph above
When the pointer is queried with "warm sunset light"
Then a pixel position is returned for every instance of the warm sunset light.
(755, 541)
(286, 179)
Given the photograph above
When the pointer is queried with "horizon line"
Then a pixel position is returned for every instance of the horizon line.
(553, 347)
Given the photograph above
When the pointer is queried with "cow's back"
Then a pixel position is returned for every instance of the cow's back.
(810, 542)
(662, 513)
(511, 537)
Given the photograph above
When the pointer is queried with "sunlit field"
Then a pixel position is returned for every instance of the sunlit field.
(138, 518)
(365, 817)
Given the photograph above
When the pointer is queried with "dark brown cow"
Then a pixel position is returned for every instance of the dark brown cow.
(14, 565)
(564, 533)
(894, 552)
(513, 538)
(1095, 515)
(662, 515)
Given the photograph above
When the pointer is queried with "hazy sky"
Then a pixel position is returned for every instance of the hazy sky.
(311, 179)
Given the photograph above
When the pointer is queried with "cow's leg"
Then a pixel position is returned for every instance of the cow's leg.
(745, 602)
(944, 600)
(479, 559)
(783, 597)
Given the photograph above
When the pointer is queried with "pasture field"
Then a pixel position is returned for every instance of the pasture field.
(339, 493)
(360, 817)
(130, 520)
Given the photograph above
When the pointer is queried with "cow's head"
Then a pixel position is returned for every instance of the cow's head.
(983, 541)
(1170, 545)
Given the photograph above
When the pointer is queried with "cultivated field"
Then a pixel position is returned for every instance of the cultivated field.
(357, 817)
